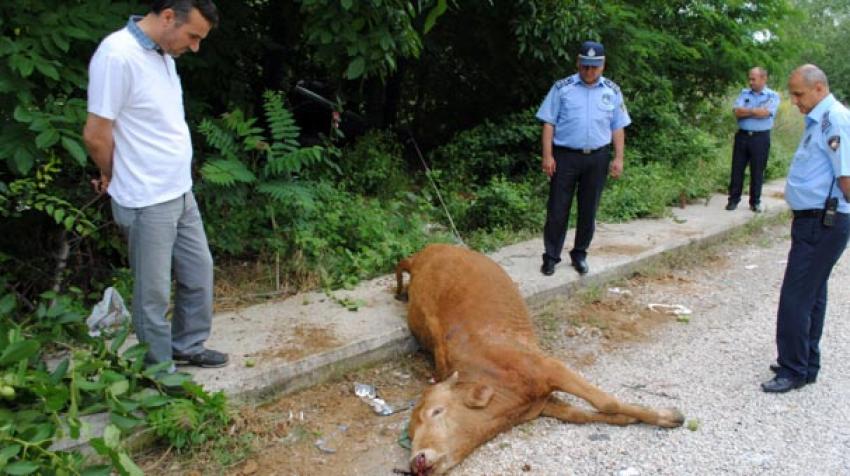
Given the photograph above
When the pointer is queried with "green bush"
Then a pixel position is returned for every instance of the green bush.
(350, 237)
(502, 204)
(374, 166)
(508, 147)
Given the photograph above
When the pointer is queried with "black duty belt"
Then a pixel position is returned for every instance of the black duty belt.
(813, 213)
(585, 151)
(753, 133)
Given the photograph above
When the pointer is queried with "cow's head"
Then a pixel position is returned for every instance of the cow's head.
(450, 421)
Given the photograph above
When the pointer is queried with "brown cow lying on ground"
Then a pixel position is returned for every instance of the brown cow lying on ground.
(467, 312)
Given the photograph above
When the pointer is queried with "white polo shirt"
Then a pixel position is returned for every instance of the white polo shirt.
(139, 89)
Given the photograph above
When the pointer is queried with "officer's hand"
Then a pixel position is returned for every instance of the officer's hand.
(616, 168)
(549, 166)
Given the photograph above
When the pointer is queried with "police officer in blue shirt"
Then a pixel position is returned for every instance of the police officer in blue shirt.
(582, 116)
(755, 110)
(817, 190)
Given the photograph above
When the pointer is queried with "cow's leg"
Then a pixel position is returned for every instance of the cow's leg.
(564, 379)
(570, 414)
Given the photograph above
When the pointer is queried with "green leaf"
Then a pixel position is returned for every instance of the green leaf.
(119, 388)
(21, 467)
(22, 115)
(47, 138)
(99, 470)
(125, 423)
(434, 14)
(47, 69)
(355, 68)
(135, 352)
(111, 436)
(59, 373)
(7, 452)
(127, 466)
(153, 370)
(89, 386)
(175, 380)
(76, 150)
(346, 4)
(119, 339)
(7, 305)
(18, 351)
(155, 401)
(57, 400)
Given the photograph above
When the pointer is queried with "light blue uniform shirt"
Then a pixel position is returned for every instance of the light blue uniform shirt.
(749, 99)
(584, 115)
(823, 155)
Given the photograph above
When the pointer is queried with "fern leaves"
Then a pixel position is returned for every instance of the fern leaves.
(282, 125)
(244, 155)
(227, 172)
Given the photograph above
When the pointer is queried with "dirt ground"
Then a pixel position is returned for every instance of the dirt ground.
(329, 430)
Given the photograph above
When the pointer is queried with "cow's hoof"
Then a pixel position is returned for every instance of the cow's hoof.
(402, 296)
(670, 418)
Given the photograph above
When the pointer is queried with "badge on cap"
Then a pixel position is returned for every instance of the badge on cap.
(591, 52)
(834, 142)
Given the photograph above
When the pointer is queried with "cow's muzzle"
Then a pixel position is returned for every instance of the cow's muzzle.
(424, 463)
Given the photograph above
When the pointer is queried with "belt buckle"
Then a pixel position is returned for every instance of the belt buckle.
(585, 151)
(750, 133)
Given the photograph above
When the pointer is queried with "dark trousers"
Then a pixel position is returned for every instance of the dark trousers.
(577, 174)
(752, 150)
(802, 303)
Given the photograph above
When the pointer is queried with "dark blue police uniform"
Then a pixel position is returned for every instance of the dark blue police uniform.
(816, 246)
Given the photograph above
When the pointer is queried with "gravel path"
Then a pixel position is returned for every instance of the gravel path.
(710, 368)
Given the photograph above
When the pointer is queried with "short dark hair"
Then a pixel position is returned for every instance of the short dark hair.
(181, 8)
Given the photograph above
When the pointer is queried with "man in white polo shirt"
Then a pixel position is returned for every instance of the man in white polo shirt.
(136, 133)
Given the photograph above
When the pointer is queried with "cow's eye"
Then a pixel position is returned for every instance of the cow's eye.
(436, 411)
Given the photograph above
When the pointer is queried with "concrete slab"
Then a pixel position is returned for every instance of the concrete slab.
(284, 346)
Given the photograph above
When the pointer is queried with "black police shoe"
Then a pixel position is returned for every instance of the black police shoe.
(809, 378)
(731, 206)
(581, 266)
(757, 208)
(207, 358)
(782, 384)
(548, 267)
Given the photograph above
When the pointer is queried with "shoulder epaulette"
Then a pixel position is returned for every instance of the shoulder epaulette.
(565, 82)
(612, 85)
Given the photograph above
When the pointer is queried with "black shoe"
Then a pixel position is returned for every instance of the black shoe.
(782, 384)
(756, 208)
(207, 358)
(731, 206)
(581, 266)
(809, 379)
(548, 267)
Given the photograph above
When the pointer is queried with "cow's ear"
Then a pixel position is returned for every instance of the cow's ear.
(452, 380)
(478, 396)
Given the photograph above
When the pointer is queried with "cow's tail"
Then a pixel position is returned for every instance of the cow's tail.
(402, 266)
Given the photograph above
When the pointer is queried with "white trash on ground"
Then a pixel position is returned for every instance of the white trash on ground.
(108, 313)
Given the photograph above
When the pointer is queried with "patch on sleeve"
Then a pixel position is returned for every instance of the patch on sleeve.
(834, 142)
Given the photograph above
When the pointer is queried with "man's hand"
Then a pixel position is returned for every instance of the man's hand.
(549, 166)
(100, 185)
(616, 168)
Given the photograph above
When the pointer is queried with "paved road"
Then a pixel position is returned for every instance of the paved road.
(710, 368)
